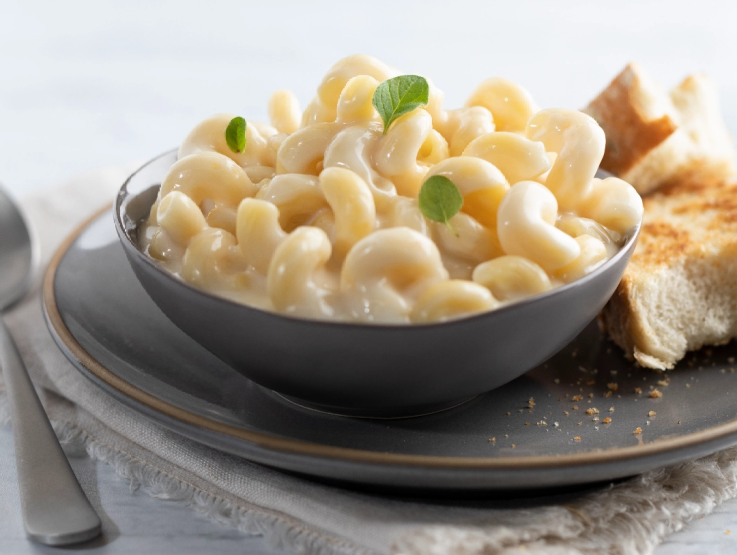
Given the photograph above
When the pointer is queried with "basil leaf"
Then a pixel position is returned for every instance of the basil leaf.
(440, 200)
(235, 134)
(400, 95)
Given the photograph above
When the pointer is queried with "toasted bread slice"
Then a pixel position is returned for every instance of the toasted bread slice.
(636, 117)
(679, 291)
(656, 140)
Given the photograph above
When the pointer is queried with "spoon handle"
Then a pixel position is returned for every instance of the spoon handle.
(55, 509)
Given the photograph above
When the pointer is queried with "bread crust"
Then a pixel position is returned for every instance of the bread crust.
(679, 292)
(633, 125)
(657, 140)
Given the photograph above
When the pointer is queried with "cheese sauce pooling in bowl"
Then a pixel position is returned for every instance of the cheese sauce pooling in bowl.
(318, 216)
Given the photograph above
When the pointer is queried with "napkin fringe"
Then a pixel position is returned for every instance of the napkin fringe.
(277, 532)
(630, 518)
(627, 519)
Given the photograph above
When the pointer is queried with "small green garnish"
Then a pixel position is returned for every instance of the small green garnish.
(400, 95)
(440, 200)
(235, 134)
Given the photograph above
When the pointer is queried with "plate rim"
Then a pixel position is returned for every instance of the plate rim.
(344, 454)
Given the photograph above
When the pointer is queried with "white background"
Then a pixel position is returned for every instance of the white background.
(90, 84)
(87, 84)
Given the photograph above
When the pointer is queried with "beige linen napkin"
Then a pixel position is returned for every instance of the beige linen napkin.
(302, 516)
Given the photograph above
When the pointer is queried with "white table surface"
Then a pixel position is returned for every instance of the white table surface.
(90, 84)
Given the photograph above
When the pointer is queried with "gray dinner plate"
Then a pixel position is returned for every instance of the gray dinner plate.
(544, 429)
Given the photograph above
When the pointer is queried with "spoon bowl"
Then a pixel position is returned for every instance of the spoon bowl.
(363, 369)
(55, 509)
(16, 253)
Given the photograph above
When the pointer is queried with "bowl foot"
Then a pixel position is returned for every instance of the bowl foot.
(378, 413)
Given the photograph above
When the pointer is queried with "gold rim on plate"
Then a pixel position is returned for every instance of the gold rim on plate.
(293, 446)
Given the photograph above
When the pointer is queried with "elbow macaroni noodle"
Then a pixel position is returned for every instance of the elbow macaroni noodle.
(318, 217)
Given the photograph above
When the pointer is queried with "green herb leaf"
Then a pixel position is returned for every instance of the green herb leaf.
(235, 134)
(440, 200)
(400, 95)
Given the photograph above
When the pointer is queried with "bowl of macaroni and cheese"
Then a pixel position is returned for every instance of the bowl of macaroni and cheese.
(377, 254)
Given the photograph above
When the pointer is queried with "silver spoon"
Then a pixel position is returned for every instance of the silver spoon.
(55, 509)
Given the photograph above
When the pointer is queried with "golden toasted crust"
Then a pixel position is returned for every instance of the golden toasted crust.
(679, 292)
(687, 220)
(655, 140)
(633, 125)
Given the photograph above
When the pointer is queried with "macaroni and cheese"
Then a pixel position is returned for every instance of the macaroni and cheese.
(318, 217)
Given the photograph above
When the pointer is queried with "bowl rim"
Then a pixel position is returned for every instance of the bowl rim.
(123, 194)
(87, 363)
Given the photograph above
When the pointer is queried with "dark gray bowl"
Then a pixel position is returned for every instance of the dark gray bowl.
(360, 369)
